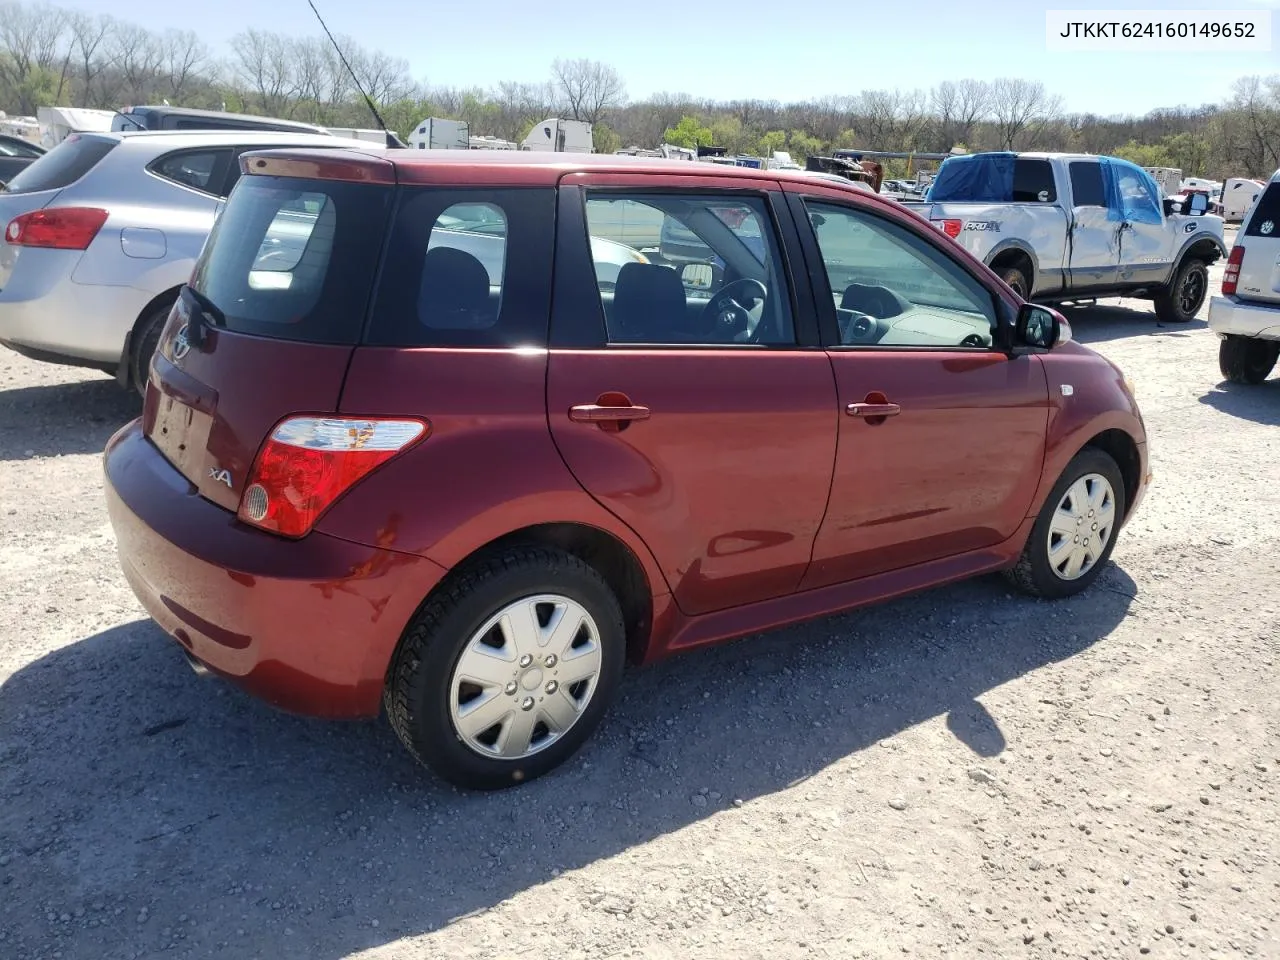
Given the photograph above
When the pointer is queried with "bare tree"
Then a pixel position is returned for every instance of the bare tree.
(1017, 105)
(958, 107)
(37, 59)
(590, 89)
(185, 58)
(89, 36)
(265, 62)
(140, 58)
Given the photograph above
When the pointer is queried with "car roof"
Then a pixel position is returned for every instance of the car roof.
(221, 138)
(524, 166)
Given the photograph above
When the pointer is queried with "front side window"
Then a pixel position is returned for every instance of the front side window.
(892, 288)
(692, 268)
(1139, 197)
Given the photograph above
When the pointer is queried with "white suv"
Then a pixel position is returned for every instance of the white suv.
(1247, 315)
(101, 233)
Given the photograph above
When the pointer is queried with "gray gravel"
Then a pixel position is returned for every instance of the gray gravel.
(961, 773)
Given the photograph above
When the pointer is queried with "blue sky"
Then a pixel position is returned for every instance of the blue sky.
(749, 48)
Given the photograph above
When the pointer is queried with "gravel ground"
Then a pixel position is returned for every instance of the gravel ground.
(963, 773)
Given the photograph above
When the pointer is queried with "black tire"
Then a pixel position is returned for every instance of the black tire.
(146, 338)
(1033, 573)
(1017, 279)
(419, 682)
(1247, 359)
(1182, 299)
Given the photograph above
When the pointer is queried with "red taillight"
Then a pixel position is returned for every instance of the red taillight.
(1231, 276)
(61, 228)
(309, 462)
(951, 228)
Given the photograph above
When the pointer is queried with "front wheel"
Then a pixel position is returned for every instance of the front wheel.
(505, 673)
(1182, 299)
(1247, 359)
(1076, 531)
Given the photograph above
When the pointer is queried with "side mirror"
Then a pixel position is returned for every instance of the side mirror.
(1041, 327)
(1198, 205)
(697, 276)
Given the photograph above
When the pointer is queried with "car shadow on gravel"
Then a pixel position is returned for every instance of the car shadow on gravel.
(1109, 321)
(57, 418)
(1259, 403)
(175, 810)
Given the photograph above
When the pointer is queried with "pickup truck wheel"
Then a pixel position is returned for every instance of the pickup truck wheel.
(508, 669)
(1182, 299)
(1076, 531)
(1015, 278)
(1247, 359)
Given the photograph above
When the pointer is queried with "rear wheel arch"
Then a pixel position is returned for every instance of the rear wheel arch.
(1015, 257)
(133, 364)
(607, 554)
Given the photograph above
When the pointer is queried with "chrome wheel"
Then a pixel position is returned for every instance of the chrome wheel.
(525, 677)
(1082, 526)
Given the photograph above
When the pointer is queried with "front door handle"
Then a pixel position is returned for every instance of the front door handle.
(872, 410)
(595, 413)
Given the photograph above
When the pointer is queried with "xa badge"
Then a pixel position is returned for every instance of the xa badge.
(222, 476)
(181, 347)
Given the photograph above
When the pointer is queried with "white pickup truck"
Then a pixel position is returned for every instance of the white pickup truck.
(1071, 228)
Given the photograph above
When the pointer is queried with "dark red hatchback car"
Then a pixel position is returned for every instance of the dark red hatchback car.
(460, 433)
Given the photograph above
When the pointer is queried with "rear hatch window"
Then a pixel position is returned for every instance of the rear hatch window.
(1260, 268)
(63, 165)
(279, 298)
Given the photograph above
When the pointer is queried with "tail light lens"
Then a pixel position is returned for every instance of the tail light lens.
(60, 228)
(1231, 276)
(951, 228)
(307, 463)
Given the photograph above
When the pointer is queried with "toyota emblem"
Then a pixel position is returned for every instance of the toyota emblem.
(181, 345)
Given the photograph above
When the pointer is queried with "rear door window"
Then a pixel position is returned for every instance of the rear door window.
(295, 259)
(63, 165)
(466, 268)
(1265, 221)
(1086, 184)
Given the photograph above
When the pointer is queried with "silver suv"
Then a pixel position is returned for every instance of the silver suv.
(101, 233)
(1247, 315)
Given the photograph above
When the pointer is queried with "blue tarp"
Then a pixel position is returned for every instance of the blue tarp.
(1131, 193)
(979, 178)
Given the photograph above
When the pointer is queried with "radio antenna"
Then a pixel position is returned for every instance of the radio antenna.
(392, 139)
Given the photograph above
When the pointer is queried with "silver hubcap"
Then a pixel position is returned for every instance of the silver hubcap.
(525, 677)
(1082, 526)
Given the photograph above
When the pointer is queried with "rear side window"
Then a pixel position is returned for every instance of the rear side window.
(294, 259)
(1086, 184)
(63, 165)
(1033, 182)
(201, 170)
(466, 268)
(1265, 220)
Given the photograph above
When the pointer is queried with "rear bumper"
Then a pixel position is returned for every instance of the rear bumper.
(310, 625)
(1230, 316)
(43, 312)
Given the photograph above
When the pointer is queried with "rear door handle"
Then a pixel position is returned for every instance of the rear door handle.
(873, 409)
(595, 413)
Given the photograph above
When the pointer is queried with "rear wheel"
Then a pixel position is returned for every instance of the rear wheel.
(1182, 299)
(505, 673)
(1247, 359)
(1017, 279)
(1076, 531)
(146, 339)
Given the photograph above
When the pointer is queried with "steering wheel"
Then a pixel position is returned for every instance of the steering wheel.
(725, 309)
